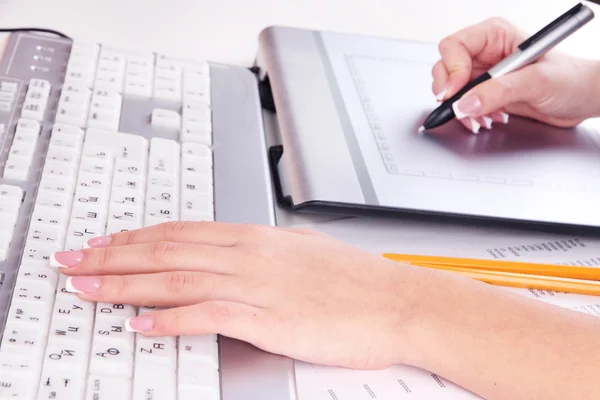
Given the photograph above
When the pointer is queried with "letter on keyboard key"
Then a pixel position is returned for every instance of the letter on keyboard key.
(67, 358)
(69, 305)
(202, 349)
(166, 119)
(24, 366)
(108, 388)
(35, 291)
(164, 156)
(111, 310)
(68, 330)
(57, 385)
(31, 313)
(14, 192)
(154, 382)
(12, 387)
(38, 254)
(111, 359)
(44, 276)
(23, 338)
(156, 351)
(196, 150)
(111, 332)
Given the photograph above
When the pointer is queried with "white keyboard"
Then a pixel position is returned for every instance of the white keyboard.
(95, 180)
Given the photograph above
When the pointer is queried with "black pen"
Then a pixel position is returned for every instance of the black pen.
(527, 52)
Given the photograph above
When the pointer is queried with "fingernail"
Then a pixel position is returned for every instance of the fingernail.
(487, 122)
(65, 259)
(499, 116)
(440, 96)
(467, 106)
(142, 323)
(98, 242)
(82, 284)
(475, 126)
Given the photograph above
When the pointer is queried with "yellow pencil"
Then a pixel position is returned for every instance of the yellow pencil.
(579, 286)
(562, 271)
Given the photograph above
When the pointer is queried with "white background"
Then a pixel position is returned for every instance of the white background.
(226, 30)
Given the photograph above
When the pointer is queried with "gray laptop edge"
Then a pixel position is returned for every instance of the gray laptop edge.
(348, 108)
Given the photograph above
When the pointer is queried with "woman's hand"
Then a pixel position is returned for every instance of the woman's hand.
(557, 89)
(292, 292)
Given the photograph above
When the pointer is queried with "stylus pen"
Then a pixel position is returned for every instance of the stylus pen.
(528, 51)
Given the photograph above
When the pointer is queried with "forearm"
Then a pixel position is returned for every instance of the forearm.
(504, 346)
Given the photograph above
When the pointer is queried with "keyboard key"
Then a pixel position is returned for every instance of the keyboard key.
(21, 365)
(197, 350)
(201, 379)
(111, 330)
(39, 292)
(110, 359)
(108, 388)
(61, 384)
(70, 359)
(23, 338)
(30, 313)
(196, 131)
(74, 308)
(154, 382)
(12, 387)
(156, 351)
(166, 119)
(64, 329)
(42, 276)
(164, 156)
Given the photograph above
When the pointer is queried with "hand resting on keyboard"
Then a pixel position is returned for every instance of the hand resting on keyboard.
(309, 296)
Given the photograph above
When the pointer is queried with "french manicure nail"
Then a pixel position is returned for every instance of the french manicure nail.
(82, 284)
(499, 116)
(467, 106)
(475, 126)
(142, 323)
(98, 242)
(440, 96)
(65, 259)
(487, 122)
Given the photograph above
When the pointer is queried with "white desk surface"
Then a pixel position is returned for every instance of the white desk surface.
(226, 30)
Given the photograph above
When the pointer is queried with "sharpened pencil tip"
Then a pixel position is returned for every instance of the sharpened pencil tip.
(421, 129)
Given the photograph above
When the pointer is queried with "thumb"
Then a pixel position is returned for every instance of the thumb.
(497, 93)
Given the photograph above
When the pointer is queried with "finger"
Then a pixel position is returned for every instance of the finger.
(500, 116)
(440, 80)
(210, 233)
(204, 232)
(471, 124)
(235, 320)
(145, 258)
(485, 122)
(165, 289)
(488, 41)
(495, 94)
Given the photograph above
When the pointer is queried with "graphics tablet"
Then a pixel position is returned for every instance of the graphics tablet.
(348, 110)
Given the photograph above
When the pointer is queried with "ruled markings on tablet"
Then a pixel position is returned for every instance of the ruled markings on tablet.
(404, 386)
(333, 395)
(368, 389)
(438, 380)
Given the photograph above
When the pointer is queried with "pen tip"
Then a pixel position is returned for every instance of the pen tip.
(421, 128)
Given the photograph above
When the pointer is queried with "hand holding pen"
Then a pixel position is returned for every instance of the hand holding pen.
(491, 69)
